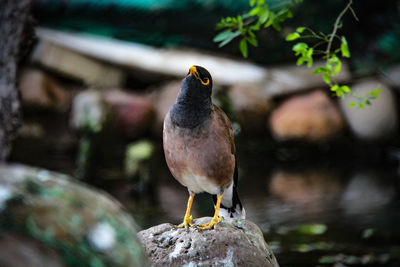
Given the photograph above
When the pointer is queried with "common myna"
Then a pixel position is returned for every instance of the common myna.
(199, 148)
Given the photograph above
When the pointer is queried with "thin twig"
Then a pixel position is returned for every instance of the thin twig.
(335, 27)
(354, 14)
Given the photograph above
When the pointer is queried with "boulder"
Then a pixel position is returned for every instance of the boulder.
(26, 251)
(39, 90)
(392, 76)
(132, 112)
(249, 105)
(377, 121)
(312, 117)
(85, 226)
(289, 79)
(75, 65)
(233, 243)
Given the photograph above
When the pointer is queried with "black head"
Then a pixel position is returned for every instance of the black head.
(193, 104)
(202, 75)
(196, 86)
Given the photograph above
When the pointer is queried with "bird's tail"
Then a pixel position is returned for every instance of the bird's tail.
(231, 207)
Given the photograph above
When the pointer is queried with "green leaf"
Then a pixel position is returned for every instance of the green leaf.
(264, 16)
(300, 61)
(300, 47)
(335, 87)
(345, 88)
(260, 2)
(367, 233)
(271, 20)
(319, 70)
(352, 104)
(243, 47)
(326, 77)
(292, 36)
(312, 229)
(230, 38)
(300, 29)
(252, 41)
(253, 2)
(309, 57)
(344, 47)
(374, 94)
(222, 36)
(360, 105)
(255, 11)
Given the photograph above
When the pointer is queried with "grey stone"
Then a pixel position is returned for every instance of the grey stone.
(392, 76)
(289, 79)
(39, 90)
(77, 66)
(250, 106)
(132, 113)
(232, 243)
(374, 122)
(86, 226)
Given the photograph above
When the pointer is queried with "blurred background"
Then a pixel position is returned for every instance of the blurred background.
(319, 178)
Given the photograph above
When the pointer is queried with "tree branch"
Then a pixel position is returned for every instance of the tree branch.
(335, 27)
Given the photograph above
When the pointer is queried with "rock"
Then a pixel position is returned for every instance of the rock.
(233, 243)
(289, 79)
(19, 250)
(89, 111)
(374, 122)
(163, 98)
(312, 117)
(85, 226)
(39, 90)
(75, 65)
(132, 113)
(159, 61)
(250, 106)
(392, 76)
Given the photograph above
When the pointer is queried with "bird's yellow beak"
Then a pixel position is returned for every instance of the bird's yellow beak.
(195, 73)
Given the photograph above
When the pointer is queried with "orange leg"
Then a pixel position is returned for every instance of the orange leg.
(215, 220)
(187, 220)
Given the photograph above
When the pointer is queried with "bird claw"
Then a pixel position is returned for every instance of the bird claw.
(187, 222)
(209, 225)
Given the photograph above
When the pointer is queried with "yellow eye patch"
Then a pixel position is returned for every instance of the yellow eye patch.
(195, 73)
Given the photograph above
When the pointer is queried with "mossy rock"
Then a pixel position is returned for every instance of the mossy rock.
(84, 225)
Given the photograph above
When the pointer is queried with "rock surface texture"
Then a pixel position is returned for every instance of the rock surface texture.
(83, 226)
(233, 243)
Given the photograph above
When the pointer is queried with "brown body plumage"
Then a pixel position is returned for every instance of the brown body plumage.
(208, 151)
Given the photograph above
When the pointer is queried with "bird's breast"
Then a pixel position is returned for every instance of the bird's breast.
(199, 158)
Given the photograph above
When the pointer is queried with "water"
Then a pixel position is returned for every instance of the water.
(316, 204)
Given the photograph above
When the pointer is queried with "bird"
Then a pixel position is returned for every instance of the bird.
(199, 149)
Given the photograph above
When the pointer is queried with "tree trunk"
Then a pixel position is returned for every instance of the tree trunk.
(15, 31)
